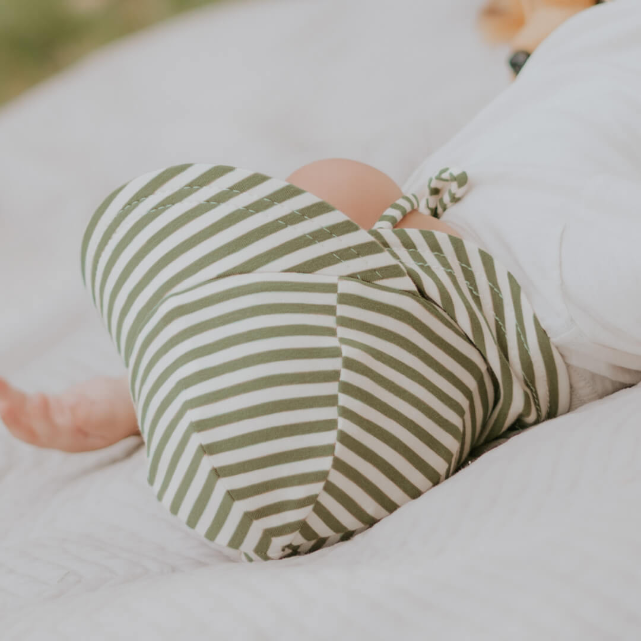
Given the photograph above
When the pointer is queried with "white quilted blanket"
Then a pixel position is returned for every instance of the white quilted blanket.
(539, 539)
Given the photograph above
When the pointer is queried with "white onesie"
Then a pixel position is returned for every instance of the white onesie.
(555, 171)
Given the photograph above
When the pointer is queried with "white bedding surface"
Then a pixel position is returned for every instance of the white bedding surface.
(537, 539)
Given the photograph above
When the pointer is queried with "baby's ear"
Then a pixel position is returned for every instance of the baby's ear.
(501, 20)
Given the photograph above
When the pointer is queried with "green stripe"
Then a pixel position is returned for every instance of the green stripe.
(386, 502)
(206, 374)
(551, 371)
(203, 499)
(388, 218)
(140, 196)
(248, 518)
(524, 354)
(418, 431)
(302, 241)
(201, 351)
(281, 506)
(505, 390)
(261, 383)
(220, 518)
(379, 274)
(137, 229)
(279, 458)
(349, 504)
(394, 443)
(188, 245)
(269, 434)
(174, 461)
(218, 320)
(399, 392)
(328, 518)
(295, 480)
(478, 337)
(407, 371)
(89, 231)
(445, 298)
(381, 465)
(411, 320)
(260, 410)
(199, 210)
(308, 532)
(320, 542)
(190, 474)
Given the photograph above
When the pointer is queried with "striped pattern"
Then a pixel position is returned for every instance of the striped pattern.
(297, 378)
(444, 189)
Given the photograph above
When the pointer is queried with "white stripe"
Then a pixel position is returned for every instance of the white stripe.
(196, 485)
(225, 332)
(282, 494)
(195, 227)
(389, 425)
(540, 382)
(257, 527)
(356, 493)
(318, 526)
(239, 401)
(421, 342)
(203, 247)
(268, 421)
(276, 446)
(212, 410)
(233, 352)
(181, 468)
(414, 362)
(339, 512)
(460, 311)
(209, 513)
(372, 473)
(401, 380)
(106, 219)
(396, 460)
(237, 512)
(170, 188)
(229, 284)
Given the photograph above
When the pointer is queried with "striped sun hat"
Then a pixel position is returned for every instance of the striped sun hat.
(297, 378)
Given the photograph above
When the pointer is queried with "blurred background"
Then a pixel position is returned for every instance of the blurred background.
(132, 86)
(40, 37)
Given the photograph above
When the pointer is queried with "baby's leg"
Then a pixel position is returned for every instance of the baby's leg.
(358, 190)
(100, 412)
(361, 192)
(88, 416)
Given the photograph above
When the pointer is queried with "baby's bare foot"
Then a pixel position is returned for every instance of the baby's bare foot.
(89, 416)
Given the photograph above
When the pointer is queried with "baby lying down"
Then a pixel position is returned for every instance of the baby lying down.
(306, 356)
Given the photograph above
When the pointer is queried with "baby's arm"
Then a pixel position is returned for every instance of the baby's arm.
(89, 416)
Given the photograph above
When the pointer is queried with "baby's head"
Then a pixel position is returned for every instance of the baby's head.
(524, 24)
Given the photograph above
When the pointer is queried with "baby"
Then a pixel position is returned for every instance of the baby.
(306, 356)
(100, 412)
(303, 356)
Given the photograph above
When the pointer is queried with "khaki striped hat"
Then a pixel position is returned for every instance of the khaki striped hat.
(297, 378)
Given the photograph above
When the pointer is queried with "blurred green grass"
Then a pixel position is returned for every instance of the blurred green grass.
(40, 37)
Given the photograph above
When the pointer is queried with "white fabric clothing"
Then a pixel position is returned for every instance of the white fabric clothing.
(555, 195)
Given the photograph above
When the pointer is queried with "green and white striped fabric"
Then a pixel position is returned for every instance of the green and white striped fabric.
(297, 378)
